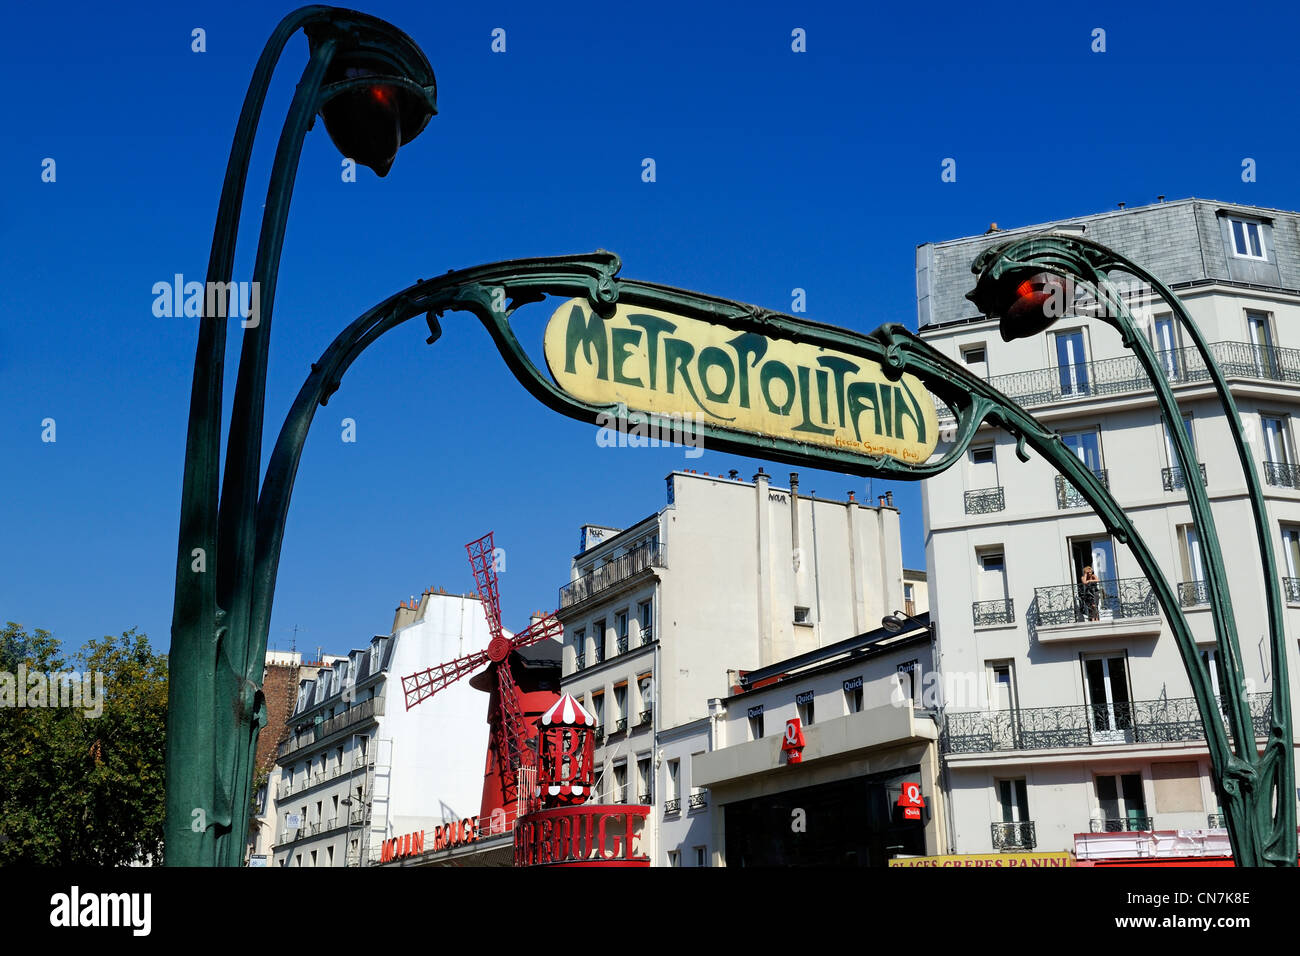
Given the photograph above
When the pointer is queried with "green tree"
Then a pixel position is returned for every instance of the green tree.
(84, 785)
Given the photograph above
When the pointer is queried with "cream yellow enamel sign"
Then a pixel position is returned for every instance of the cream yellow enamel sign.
(667, 364)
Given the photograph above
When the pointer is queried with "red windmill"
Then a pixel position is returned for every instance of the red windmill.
(510, 707)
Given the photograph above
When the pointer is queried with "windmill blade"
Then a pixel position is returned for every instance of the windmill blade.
(482, 560)
(547, 627)
(422, 685)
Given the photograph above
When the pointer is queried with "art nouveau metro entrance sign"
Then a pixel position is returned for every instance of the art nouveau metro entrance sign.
(654, 361)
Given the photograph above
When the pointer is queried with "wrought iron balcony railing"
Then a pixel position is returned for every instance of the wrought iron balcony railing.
(1014, 836)
(1068, 497)
(647, 716)
(579, 661)
(985, 500)
(622, 645)
(1216, 821)
(373, 707)
(1292, 588)
(1133, 823)
(1102, 600)
(1193, 593)
(647, 635)
(986, 613)
(643, 797)
(698, 800)
(1172, 478)
(1088, 725)
(673, 806)
(1116, 376)
(1282, 474)
(613, 572)
(599, 732)
(620, 725)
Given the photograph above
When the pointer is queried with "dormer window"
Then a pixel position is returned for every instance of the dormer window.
(1247, 239)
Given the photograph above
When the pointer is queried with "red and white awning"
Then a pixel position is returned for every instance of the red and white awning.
(567, 712)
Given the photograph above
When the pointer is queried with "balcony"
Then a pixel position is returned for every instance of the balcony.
(367, 709)
(647, 716)
(579, 662)
(647, 635)
(991, 613)
(985, 501)
(1282, 474)
(699, 800)
(1087, 725)
(1124, 374)
(1103, 600)
(612, 572)
(1132, 823)
(1193, 593)
(673, 806)
(620, 726)
(1067, 496)
(1014, 836)
(644, 798)
(621, 645)
(1291, 587)
(1171, 479)
(599, 732)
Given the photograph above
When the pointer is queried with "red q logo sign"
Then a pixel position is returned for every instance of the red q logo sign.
(793, 744)
(912, 801)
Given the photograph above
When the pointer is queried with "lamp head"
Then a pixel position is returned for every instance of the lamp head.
(376, 113)
(893, 623)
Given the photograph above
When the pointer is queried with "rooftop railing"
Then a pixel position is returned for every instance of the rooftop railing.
(1124, 374)
(613, 572)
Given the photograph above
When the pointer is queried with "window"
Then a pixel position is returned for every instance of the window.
(620, 705)
(853, 695)
(299, 861)
(1106, 680)
(756, 722)
(1259, 326)
(1210, 658)
(645, 616)
(701, 856)
(598, 639)
(1121, 803)
(329, 856)
(339, 758)
(1072, 362)
(981, 467)
(620, 629)
(598, 781)
(1164, 340)
(804, 703)
(598, 707)
(643, 779)
(674, 779)
(579, 647)
(973, 355)
(909, 599)
(1291, 554)
(1191, 591)
(992, 575)
(646, 689)
(1097, 600)
(1247, 241)
(1014, 798)
(674, 858)
(620, 782)
(1002, 684)
(1277, 440)
(313, 857)
(801, 615)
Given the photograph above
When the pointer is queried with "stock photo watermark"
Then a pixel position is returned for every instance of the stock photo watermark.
(625, 429)
(73, 689)
(217, 300)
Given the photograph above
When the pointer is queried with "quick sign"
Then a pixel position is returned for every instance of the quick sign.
(673, 365)
(793, 743)
(912, 801)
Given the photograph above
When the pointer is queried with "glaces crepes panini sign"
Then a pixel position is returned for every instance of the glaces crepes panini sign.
(673, 365)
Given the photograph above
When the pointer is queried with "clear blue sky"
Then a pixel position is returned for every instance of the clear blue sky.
(775, 170)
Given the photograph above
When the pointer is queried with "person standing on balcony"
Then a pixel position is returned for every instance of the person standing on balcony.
(1090, 589)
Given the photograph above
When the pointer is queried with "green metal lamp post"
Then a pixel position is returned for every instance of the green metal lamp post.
(1030, 283)
(375, 91)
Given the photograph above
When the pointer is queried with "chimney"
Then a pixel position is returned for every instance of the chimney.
(1120, 204)
(852, 500)
(1160, 199)
(993, 227)
(880, 501)
(537, 616)
(889, 499)
(794, 516)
